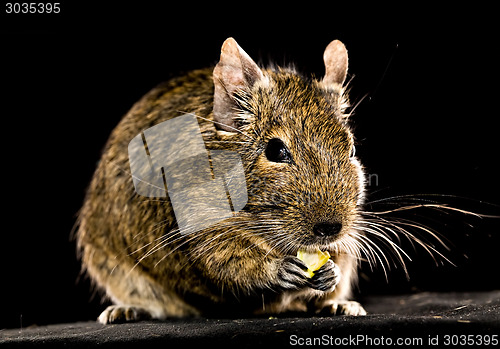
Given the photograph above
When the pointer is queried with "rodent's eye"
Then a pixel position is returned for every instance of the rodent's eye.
(276, 151)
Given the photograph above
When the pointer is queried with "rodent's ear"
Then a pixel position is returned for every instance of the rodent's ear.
(235, 72)
(336, 62)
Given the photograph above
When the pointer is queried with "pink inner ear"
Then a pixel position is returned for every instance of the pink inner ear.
(239, 63)
(233, 79)
(336, 62)
(235, 71)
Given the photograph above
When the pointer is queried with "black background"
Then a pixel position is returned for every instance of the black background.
(428, 125)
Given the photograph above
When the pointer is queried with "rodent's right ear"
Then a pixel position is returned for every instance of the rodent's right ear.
(235, 72)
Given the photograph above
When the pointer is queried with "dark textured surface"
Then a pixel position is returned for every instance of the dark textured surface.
(428, 125)
(423, 315)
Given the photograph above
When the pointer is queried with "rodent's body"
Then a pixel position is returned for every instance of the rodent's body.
(244, 265)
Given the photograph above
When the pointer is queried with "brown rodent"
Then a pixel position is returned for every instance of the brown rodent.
(305, 188)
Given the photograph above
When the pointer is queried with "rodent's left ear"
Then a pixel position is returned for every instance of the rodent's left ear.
(235, 72)
(336, 62)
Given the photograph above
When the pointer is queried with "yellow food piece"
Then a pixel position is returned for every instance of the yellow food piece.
(313, 261)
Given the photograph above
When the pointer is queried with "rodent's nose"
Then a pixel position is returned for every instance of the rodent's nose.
(327, 229)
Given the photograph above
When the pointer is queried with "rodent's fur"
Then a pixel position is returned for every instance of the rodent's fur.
(245, 265)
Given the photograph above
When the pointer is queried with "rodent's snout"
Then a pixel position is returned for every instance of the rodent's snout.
(327, 229)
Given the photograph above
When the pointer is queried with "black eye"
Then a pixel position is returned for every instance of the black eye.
(276, 151)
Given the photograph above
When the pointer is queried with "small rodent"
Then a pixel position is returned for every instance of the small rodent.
(305, 189)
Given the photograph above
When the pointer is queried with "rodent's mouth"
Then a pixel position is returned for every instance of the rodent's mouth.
(312, 244)
(329, 237)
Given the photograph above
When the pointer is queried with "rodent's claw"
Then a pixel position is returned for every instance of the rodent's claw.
(326, 278)
(342, 308)
(123, 313)
(292, 273)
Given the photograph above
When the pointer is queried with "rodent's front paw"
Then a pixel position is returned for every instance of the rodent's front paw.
(326, 278)
(123, 313)
(292, 273)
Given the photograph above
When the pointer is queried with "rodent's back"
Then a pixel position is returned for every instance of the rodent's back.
(113, 216)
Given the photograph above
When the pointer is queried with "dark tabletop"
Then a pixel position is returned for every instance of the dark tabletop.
(416, 319)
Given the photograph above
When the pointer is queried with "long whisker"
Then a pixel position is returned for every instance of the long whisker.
(371, 251)
(378, 224)
(437, 206)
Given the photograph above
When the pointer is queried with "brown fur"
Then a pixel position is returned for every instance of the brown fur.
(131, 246)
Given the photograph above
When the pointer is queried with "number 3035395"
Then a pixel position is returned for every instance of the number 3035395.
(32, 7)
